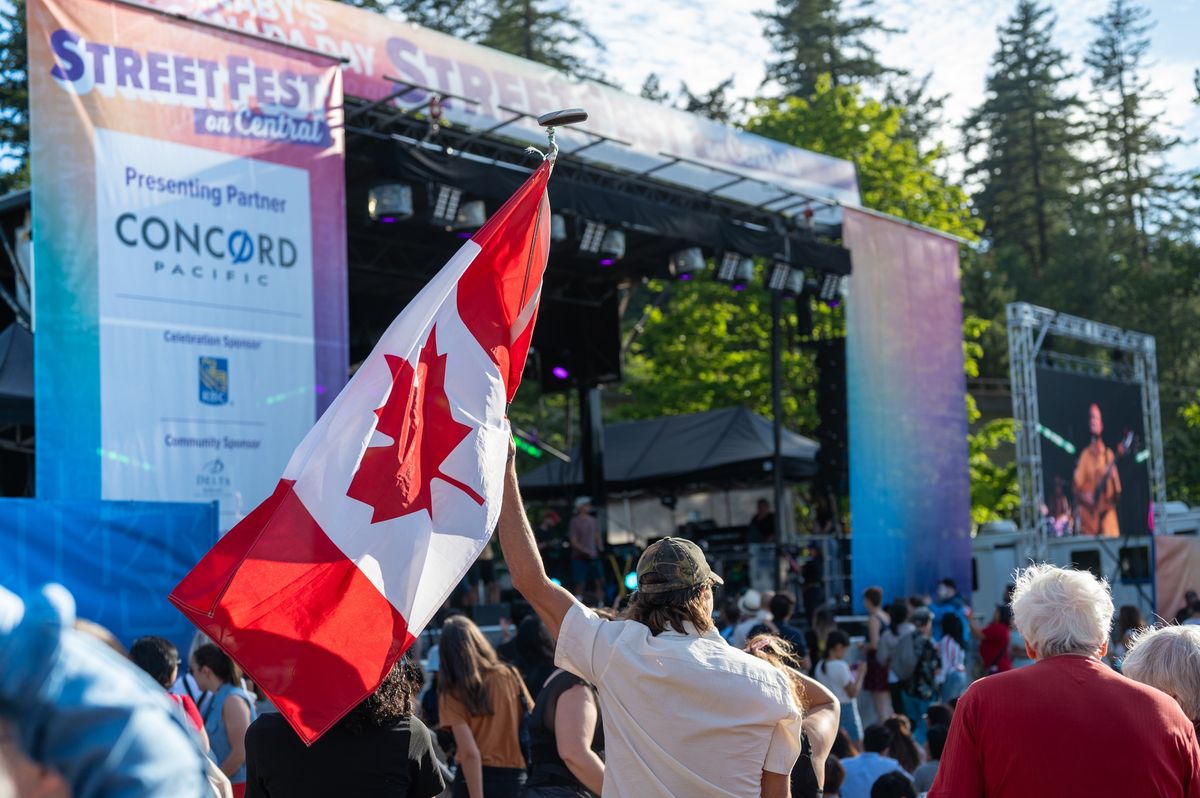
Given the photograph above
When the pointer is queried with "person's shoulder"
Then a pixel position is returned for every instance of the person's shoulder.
(269, 726)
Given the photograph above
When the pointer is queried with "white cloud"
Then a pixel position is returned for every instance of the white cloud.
(704, 41)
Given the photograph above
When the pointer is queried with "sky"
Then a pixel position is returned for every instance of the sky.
(706, 41)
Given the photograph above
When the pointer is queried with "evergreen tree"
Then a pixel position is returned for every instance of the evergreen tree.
(816, 37)
(1132, 173)
(14, 98)
(1019, 144)
(715, 103)
(544, 31)
(652, 89)
(463, 19)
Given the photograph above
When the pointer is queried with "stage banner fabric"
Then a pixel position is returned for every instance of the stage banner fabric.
(189, 252)
(386, 58)
(119, 559)
(1176, 571)
(910, 499)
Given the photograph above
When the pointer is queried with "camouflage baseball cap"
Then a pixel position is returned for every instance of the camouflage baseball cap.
(673, 564)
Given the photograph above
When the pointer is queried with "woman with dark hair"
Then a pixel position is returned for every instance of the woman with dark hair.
(377, 749)
(567, 740)
(531, 651)
(823, 623)
(842, 680)
(899, 626)
(952, 649)
(158, 657)
(876, 681)
(228, 714)
(903, 748)
(482, 701)
(1129, 623)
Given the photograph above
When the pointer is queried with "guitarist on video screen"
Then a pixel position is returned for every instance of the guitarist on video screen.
(1097, 483)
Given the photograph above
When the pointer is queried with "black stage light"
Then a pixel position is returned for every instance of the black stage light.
(444, 201)
(777, 275)
(471, 215)
(732, 264)
(390, 203)
(612, 247)
(831, 287)
(685, 263)
(592, 238)
(558, 228)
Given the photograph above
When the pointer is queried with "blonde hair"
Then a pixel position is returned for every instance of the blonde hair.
(1168, 659)
(778, 652)
(1062, 611)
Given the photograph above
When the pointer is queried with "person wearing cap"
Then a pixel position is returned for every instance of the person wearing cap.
(77, 719)
(684, 712)
(584, 535)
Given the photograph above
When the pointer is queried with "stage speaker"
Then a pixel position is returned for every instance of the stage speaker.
(578, 343)
(832, 434)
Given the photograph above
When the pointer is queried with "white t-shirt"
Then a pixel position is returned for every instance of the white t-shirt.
(684, 714)
(835, 674)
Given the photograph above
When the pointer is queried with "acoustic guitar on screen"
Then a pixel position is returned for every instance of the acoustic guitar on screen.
(1097, 509)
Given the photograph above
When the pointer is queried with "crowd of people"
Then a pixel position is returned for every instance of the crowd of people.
(663, 696)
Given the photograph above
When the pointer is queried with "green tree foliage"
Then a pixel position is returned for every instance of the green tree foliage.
(544, 31)
(708, 347)
(1019, 145)
(994, 493)
(1132, 174)
(14, 98)
(812, 38)
(894, 174)
(716, 103)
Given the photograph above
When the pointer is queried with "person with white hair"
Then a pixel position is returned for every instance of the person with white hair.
(1168, 659)
(1068, 724)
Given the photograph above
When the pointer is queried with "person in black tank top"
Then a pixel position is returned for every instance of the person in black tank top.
(566, 748)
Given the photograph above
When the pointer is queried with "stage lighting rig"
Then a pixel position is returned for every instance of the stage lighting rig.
(684, 263)
(795, 283)
(777, 276)
(471, 215)
(592, 238)
(390, 203)
(732, 265)
(558, 228)
(831, 287)
(612, 247)
(445, 202)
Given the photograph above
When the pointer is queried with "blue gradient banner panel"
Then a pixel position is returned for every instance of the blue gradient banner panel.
(910, 498)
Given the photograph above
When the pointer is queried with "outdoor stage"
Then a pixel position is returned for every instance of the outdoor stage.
(426, 139)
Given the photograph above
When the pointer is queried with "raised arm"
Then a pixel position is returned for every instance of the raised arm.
(548, 600)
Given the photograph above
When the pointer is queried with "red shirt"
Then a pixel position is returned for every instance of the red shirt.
(993, 648)
(1067, 726)
(189, 709)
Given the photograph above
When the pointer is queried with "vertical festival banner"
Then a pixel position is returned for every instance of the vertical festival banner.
(189, 247)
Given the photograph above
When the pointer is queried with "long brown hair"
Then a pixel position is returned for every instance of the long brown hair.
(466, 659)
(903, 748)
(778, 652)
(671, 609)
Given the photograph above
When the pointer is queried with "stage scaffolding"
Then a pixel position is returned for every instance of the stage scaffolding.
(1028, 328)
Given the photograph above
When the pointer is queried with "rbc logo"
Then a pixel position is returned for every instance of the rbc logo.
(214, 380)
(241, 246)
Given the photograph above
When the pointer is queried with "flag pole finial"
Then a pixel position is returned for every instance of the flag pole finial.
(554, 119)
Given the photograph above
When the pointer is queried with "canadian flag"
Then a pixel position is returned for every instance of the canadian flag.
(392, 495)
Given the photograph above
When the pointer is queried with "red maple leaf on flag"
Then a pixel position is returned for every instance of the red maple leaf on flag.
(395, 479)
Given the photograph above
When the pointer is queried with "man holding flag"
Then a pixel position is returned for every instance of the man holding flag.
(392, 495)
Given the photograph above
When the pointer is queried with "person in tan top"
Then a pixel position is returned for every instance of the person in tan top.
(1097, 483)
(482, 701)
